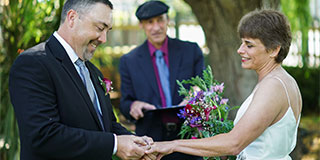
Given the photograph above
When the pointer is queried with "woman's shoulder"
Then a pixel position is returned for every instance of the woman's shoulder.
(283, 87)
(272, 89)
(271, 82)
(279, 77)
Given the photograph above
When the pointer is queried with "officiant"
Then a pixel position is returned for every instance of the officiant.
(149, 73)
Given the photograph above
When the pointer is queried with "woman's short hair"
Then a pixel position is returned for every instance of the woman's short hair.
(271, 27)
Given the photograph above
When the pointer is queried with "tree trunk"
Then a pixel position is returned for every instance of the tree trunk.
(219, 20)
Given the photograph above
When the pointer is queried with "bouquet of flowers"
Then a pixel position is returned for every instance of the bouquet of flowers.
(206, 113)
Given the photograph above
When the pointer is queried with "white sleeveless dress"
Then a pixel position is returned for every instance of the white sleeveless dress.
(277, 141)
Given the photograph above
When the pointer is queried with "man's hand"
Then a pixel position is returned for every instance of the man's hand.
(132, 147)
(160, 149)
(149, 141)
(137, 107)
(151, 156)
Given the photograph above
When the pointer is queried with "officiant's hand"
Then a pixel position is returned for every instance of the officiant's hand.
(132, 147)
(137, 107)
(183, 103)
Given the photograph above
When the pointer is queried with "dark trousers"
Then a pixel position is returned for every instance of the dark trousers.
(180, 156)
(170, 131)
(163, 128)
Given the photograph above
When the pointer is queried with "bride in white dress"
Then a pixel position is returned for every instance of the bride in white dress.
(267, 121)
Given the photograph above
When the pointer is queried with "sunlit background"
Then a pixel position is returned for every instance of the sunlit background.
(126, 35)
(126, 32)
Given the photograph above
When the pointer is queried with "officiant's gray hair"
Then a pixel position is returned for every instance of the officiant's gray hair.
(80, 6)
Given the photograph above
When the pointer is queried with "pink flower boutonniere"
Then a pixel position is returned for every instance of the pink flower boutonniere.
(106, 85)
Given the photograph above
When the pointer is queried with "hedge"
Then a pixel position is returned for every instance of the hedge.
(308, 80)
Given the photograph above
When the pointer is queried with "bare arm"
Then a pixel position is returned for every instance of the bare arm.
(269, 102)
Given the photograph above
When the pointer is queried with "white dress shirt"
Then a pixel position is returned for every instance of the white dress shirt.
(74, 57)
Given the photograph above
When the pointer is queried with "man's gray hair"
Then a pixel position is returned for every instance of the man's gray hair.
(81, 6)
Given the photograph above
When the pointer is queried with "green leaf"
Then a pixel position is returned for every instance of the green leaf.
(182, 91)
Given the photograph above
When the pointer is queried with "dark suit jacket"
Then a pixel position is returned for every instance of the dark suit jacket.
(138, 80)
(55, 115)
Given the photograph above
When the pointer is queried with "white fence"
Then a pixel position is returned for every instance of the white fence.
(294, 58)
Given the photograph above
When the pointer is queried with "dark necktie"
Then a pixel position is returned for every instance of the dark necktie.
(85, 76)
(163, 72)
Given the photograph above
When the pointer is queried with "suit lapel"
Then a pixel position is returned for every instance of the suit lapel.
(146, 66)
(101, 96)
(59, 52)
(175, 56)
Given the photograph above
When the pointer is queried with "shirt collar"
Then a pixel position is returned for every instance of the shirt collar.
(164, 47)
(72, 55)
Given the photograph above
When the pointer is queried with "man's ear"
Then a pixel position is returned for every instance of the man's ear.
(275, 52)
(72, 15)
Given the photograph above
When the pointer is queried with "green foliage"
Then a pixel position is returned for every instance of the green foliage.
(208, 77)
(108, 61)
(308, 80)
(23, 23)
(115, 158)
(182, 91)
(206, 113)
(203, 84)
(298, 13)
(180, 10)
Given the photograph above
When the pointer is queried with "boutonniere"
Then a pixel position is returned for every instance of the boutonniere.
(106, 85)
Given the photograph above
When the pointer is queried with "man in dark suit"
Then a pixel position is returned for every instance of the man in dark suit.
(142, 85)
(62, 109)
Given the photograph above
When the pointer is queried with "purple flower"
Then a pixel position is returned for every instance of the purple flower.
(195, 125)
(192, 100)
(200, 95)
(205, 108)
(194, 122)
(219, 88)
(224, 101)
(217, 98)
(182, 114)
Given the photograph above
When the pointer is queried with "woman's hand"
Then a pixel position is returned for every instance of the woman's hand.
(151, 156)
(162, 148)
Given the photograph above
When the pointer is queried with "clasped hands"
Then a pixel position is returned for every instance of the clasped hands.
(147, 149)
(138, 148)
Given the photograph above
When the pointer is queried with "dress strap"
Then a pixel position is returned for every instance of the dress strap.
(285, 88)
